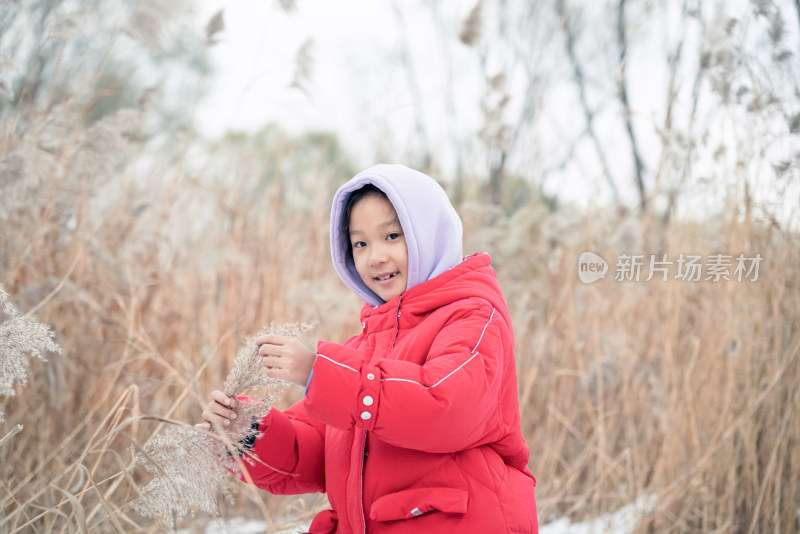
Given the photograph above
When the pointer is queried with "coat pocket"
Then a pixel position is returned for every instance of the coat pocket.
(414, 502)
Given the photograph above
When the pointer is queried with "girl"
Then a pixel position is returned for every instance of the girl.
(413, 425)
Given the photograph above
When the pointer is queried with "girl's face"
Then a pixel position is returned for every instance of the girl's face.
(379, 246)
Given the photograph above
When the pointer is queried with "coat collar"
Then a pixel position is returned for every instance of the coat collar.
(462, 281)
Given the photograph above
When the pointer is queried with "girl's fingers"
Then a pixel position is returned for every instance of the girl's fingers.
(212, 417)
(221, 411)
(272, 362)
(224, 406)
(220, 398)
(221, 408)
(208, 417)
(268, 348)
(271, 339)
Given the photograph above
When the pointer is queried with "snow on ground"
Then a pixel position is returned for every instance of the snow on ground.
(241, 526)
(620, 522)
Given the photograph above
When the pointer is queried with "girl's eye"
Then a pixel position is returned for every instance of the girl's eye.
(393, 236)
(359, 244)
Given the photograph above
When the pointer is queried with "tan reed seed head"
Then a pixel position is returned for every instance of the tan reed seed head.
(187, 475)
(19, 337)
(191, 469)
(248, 372)
(471, 28)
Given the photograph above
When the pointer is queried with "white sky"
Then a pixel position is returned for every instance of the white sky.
(359, 90)
(353, 81)
(255, 59)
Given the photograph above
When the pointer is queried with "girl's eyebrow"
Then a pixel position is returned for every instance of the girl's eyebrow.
(393, 222)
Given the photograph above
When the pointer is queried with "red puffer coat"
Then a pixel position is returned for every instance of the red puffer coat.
(413, 425)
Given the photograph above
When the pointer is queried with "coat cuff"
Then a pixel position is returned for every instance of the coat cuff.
(272, 446)
(345, 391)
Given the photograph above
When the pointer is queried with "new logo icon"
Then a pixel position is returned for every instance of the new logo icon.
(591, 267)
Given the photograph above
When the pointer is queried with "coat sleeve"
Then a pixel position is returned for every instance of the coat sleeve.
(288, 457)
(449, 403)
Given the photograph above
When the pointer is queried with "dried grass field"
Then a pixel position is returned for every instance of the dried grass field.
(137, 255)
(150, 272)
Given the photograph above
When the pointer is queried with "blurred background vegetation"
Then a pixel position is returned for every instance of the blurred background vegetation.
(152, 248)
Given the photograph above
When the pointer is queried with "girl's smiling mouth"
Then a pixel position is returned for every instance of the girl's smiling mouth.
(386, 276)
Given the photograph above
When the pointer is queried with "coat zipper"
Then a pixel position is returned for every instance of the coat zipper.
(397, 322)
(364, 442)
(361, 482)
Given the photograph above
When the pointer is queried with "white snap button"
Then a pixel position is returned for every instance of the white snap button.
(370, 376)
(368, 401)
(366, 415)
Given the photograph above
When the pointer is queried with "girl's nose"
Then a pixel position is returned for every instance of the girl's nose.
(377, 256)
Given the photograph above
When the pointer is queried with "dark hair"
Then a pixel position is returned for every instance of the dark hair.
(352, 200)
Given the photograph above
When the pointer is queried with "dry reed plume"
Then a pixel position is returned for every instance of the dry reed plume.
(150, 259)
(20, 336)
(191, 468)
(674, 391)
(676, 394)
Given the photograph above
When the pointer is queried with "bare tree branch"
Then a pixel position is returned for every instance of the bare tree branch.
(797, 7)
(533, 84)
(626, 108)
(413, 86)
(497, 163)
(588, 114)
(673, 61)
(449, 101)
(698, 78)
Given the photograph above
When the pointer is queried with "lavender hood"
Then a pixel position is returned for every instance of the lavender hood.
(430, 224)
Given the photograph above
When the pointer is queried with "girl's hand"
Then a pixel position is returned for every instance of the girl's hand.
(286, 358)
(221, 410)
